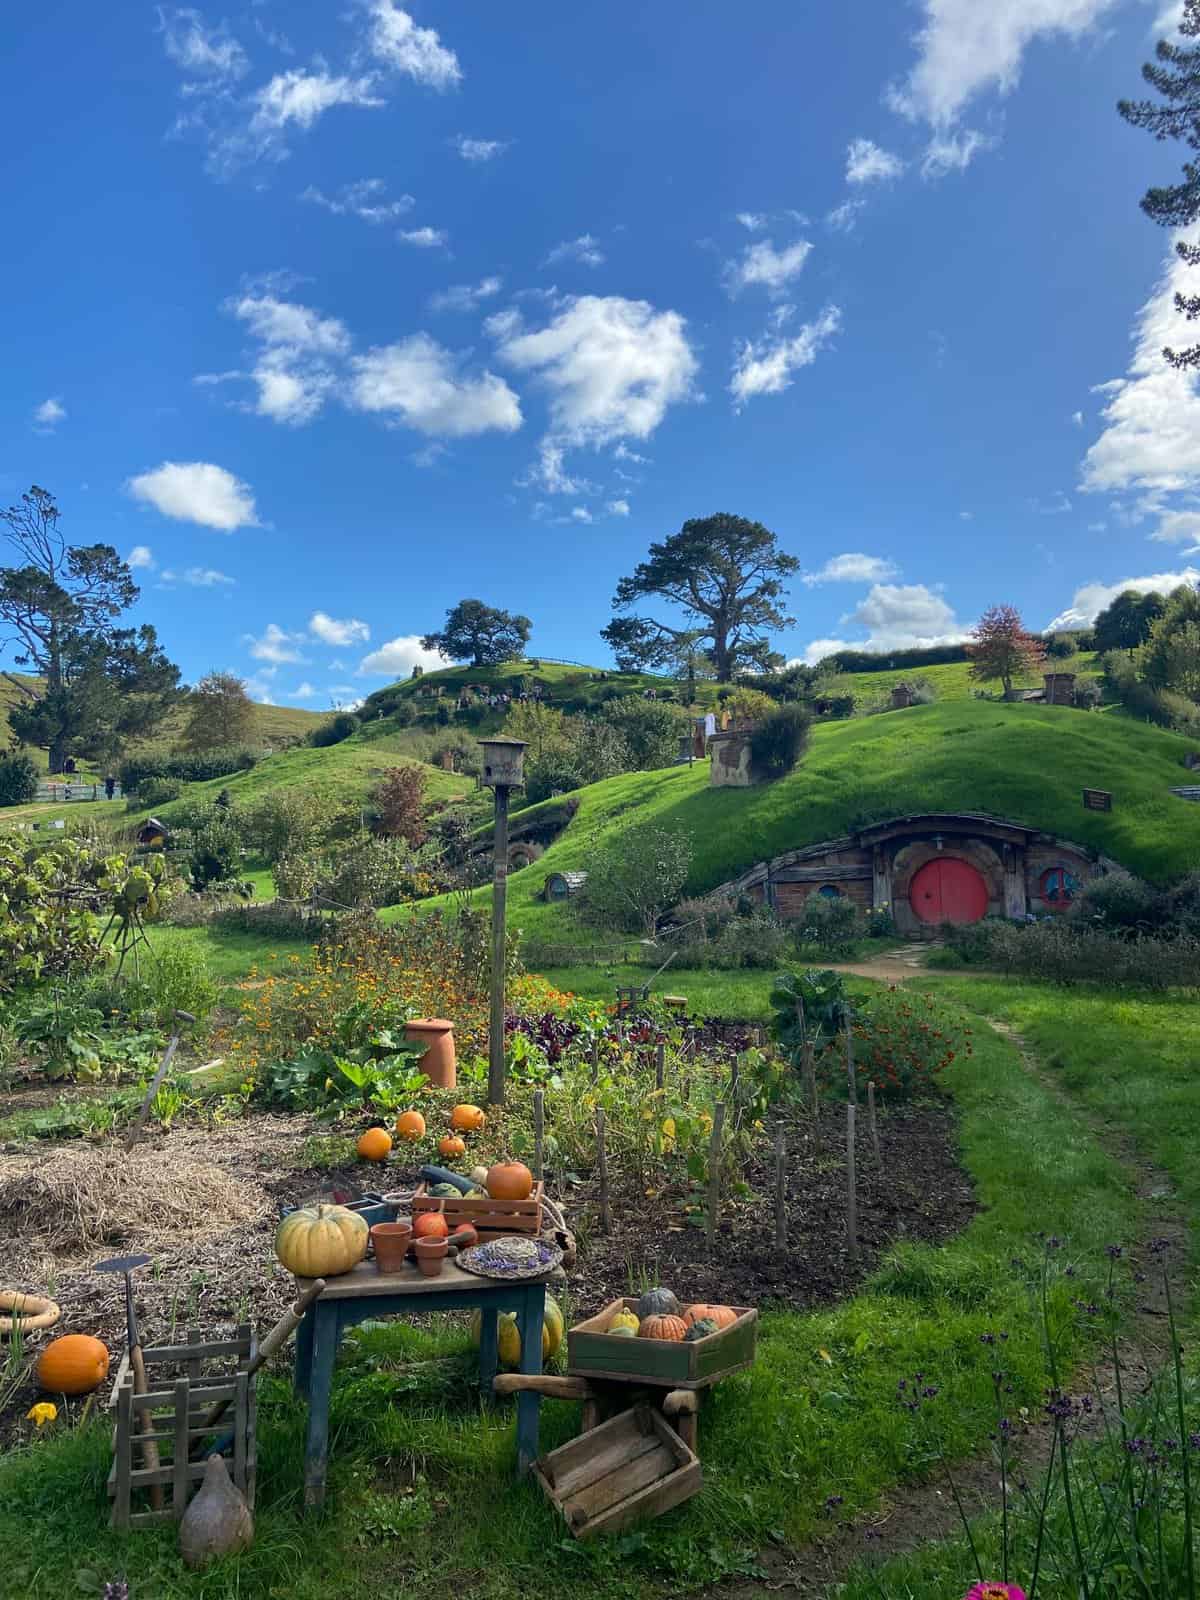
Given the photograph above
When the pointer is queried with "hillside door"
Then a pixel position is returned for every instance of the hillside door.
(948, 889)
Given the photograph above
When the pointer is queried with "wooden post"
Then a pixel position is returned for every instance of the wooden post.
(872, 1125)
(660, 1066)
(179, 1461)
(602, 1172)
(714, 1170)
(538, 1128)
(780, 1189)
(496, 1063)
(595, 1061)
(734, 1074)
(851, 1115)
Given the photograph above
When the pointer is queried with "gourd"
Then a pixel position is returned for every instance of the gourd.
(445, 1191)
(467, 1119)
(479, 1178)
(509, 1334)
(374, 1145)
(700, 1329)
(410, 1125)
(509, 1180)
(321, 1241)
(74, 1364)
(450, 1145)
(430, 1225)
(218, 1520)
(623, 1321)
(625, 1331)
(663, 1327)
(723, 1316)
(658, 1302)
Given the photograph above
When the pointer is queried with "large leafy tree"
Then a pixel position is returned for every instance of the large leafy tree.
(220, 713)
(1170, 657)
(1126, 620)
(59, 608)
(1175, 76)
(725, 574)
(1001, 648)
(480, 634)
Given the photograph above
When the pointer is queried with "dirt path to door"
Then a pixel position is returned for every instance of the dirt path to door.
(898, 966)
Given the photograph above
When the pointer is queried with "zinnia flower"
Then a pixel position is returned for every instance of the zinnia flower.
(42, 1413)
(994, 1591)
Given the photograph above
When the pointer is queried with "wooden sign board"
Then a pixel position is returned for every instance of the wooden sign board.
(1097, 800)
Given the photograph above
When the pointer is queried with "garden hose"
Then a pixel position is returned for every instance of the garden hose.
(33, 1312)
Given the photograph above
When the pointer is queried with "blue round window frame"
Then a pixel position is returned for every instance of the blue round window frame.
(1059, 886)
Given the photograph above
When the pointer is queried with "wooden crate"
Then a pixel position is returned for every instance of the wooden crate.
(593, 1353)
(184, 1382)
(490, 1218)
(633, 1466)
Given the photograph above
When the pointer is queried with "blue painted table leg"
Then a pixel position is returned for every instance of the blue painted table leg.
(304, 1352)
(489, 1350)
(316, 1445)
(529, 1320)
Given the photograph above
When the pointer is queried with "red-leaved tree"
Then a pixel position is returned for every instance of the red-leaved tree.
(1001, 648)
(400, 804)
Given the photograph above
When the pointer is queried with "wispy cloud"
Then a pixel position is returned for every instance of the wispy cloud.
(762, 265)
(866, 162)
(424, 238)
(478, 151)
(49, 414)
(766, 365)
(853, 567)
(465, 296)
(586, 250)
(363, 199)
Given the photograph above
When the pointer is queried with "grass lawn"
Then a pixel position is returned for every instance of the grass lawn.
(951, 680)
(817, 1416)
(739, 994)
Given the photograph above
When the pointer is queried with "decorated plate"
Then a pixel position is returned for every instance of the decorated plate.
(512, 1256)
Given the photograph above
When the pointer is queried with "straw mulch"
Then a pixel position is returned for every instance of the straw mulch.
(87, 1200)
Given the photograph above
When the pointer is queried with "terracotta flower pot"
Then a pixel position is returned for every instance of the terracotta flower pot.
(431, 1256)
(391, 1241)
(439, 1061)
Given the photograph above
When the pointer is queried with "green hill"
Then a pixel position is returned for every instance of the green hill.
(1026, 762)
(951, 680)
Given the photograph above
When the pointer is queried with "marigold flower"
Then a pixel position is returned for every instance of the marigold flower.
(42, 1413)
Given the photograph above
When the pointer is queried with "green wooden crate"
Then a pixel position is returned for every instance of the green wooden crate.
(593, 1353)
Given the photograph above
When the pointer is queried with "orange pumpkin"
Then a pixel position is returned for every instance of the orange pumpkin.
(509, 1180)
(723, 1316)
(467, 1119)
(672, 1328)
(410, 1125)
(74, 1364)
(430, 1225)
(450, 1145)
(374, 1145)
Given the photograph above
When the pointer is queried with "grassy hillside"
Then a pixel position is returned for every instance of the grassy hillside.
(560, 680)
(951, 680)
(1026, 762)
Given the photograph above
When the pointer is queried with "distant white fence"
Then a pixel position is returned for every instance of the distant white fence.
(64, 789)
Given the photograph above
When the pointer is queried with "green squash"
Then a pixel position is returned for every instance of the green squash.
(700, 1329)
(657, 1303)
(446, 1191)
(624, 1330)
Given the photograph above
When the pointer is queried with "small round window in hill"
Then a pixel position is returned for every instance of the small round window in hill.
(1059, 887)
(829, 891)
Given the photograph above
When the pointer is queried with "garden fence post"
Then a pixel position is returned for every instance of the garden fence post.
(660, 1065)
(872, 1125)
(595, 1060)
(538, 1125)
(851, 1116)
(714, 1170)
(602, 1172)
(496, 1063)
(780, 1189)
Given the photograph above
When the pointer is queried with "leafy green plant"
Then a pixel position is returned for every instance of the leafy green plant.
(63, 1032)
(806, 1006)
(779, 741)
(632, 880)
(831, 922)
(18, 779)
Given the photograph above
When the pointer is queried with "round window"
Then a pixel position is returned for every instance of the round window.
(1059, 887)
(829, 891)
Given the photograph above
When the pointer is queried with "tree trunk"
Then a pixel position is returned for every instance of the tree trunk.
(721, 655)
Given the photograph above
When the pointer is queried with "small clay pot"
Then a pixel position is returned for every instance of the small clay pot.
(431, 1256)
(391, 1241)
(439, 1061)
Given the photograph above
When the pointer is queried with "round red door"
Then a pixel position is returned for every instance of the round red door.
(948, 889)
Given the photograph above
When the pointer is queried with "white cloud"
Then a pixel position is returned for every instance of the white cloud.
(424, 238)
(612, 367)
(141, 558)
(755, 221)
(465, 296)
(952, 152)
(196, 48)
(906, 616)
(761, 264)
(580, 514)
(304, 691)
(965, 48)
(585, 249)
(422, 385)
(618, 508)
(1077, 418)
(363, 199)
(479, 150)
(966, 516)
(398, 657)
(295, 372)
(843, 218)
(867, 163)
(259, 686)
(301, 97)
(765, 366)
(284, 322)
(853, 567)
(197, 491)
(1178, 527)
(417, 53)
(49, 414)
(549, 472)
(1058, 505)
(622, 452)
(276, 646)
(1091, 598)
(197, 577)
(338, 631)
(817, 650)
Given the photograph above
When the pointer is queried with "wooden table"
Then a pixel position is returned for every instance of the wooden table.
(366, 1292)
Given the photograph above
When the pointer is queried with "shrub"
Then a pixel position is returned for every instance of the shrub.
(651, 730)
(196, 767)
(297, 874)
(1117, 900)
(556, 777)
(830, 922)
(399, 800)
(216, 851)
(155, 792)
(1061, 950)
(339, 727)
(18, 779)
(178, 979)
(780, 740)
(295, 819)
(377, 872)
(903, 1042)
(1061, 646)
(1088, 695)
(633, 879)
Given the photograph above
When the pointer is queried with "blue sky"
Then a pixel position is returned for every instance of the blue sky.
(330, 315)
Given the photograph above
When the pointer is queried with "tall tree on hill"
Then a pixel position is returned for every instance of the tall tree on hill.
(725, 574)
(1126, 620)
(1175, 75)
(1170, 657)
(220, 713)
(1002, 649)
(480, 634)
(100, 684)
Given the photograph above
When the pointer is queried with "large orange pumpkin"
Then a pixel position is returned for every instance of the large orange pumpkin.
(410, 1125)
(723, 1316)
(450, 1146)
(430, 1225)
(667, 1327)
(509, 1180)
(374, 1145)
(74, 1364)
(467, 1119)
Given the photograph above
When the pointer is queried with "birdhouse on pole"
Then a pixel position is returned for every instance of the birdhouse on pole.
(503, 763)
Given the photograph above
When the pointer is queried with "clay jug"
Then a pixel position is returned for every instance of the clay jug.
(217, 1522)
(439, 1062)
